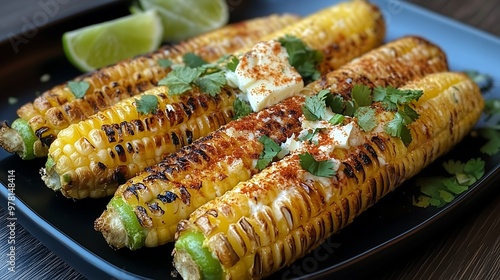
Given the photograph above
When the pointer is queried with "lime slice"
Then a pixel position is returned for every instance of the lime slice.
(107, 43)
(187, 18)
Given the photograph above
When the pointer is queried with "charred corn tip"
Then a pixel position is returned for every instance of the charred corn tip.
(126, 228)
(196, 258)
(284, 212)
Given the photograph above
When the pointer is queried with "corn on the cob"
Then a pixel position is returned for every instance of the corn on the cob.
(91, 158)
(145, 211)
(57, 108)
(284, 212)
(80, 172)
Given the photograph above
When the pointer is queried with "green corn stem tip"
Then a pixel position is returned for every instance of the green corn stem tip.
(135, 232)
(28, 137)
(192, 243)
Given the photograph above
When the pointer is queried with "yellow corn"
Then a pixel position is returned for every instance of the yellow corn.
(145, 210)
(92, 171)
(91, 158)
(57, 108)
(354, 27)
(284, 212)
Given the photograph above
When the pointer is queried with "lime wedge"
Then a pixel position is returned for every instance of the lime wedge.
(187, 18)
(106, 43)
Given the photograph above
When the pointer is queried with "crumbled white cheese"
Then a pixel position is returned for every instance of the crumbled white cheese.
(341, 134)
(289, 146)
(265, 75)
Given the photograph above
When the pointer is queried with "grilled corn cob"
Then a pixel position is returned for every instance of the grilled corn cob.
(57, 108)
(93, 157)
(92, 171)
(284, 212)
(145, 210)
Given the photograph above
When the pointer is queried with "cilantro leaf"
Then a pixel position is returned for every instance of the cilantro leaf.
(78, 88)
(211, 83)
(271, 149)
(475, 167)
(408, 114)
(391, 97)
(301, 57)
(180, 78)
(337, 119)
(350, 108)
(325, 168)
(438, 191)
(361, 95)
(241, 108)
(491, 107)
(315, 106)
(335, 103)
(397, 128)
(192, 60)
(493, 136)
(232, 63)
(165, 63)
(366, 118)
(147, 104)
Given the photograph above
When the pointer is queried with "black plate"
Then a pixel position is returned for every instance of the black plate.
(391, 227)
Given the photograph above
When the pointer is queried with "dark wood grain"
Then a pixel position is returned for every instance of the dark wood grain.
(469, 249)
(482, 14)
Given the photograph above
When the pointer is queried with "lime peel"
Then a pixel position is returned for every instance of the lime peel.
(188, 18)
(107, 43)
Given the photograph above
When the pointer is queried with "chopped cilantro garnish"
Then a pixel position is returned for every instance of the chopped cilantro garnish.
(314, 106)
(491, 128)
(391, 97)
(397, 128)
(360, 107)
(337, 119)
(211, 83)
(196, 71)
(241, 108)
(366, 118)
(270, 151)
(438, 191)
(147, 104)
(165, 63)
(78, 88)
(302, 58)
(232, 63)
(361, 95)
(179, 80)
(398, 100)
(325, 168)
(493, 136)
(491, 107)
(192, 60)
(336, 103)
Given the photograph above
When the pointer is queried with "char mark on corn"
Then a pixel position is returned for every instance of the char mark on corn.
(284, 212)
(57, 108)
(215, 163)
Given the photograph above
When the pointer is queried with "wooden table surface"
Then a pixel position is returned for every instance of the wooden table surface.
(469, 249)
